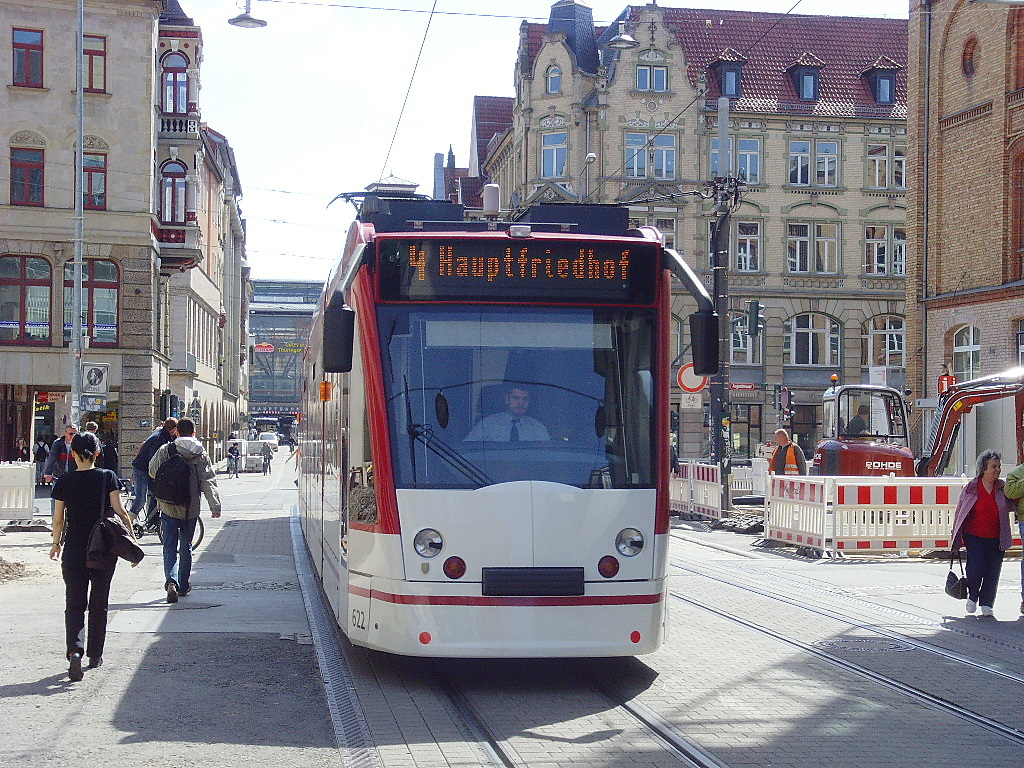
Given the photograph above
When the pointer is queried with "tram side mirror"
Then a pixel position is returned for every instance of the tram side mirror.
(704, 342)
(441, 410)
(338, 335)
(600, 421)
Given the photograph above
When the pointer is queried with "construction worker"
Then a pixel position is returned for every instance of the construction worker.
(787, 458)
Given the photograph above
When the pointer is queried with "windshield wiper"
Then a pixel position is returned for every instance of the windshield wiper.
(425, 434)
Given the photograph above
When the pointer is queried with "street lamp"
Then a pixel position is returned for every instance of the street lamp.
(247, 21)
(623, 41)
(588, 161)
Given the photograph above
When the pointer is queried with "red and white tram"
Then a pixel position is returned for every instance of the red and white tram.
(484, 469)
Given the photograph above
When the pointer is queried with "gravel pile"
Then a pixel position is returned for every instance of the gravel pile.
(10, 571)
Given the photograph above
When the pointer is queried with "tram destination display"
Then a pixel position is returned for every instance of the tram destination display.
(440, 269)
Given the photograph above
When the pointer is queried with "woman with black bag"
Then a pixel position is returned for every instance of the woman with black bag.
(982, 525)
(81, 499)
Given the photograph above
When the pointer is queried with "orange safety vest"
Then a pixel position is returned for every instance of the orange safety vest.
(792, 468)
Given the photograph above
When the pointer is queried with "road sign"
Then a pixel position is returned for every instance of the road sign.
(93, 402)
(690, 401)
(689, 381)
(95, 379)
(742, 385)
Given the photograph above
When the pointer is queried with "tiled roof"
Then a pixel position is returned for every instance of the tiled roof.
(470, 188)
(843, 46)
(173, 14)
(492, 115)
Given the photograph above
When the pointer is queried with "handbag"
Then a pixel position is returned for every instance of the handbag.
(956, 586)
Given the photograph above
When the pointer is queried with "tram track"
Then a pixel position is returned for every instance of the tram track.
(728, 578)
(501, 755)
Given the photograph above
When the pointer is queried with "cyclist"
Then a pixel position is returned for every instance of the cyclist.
(267, 453)
(234, 459)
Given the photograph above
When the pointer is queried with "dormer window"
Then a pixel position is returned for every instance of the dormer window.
(881, 77)
(806, 72)
(728, 69)
(730, 82)
(554, 79)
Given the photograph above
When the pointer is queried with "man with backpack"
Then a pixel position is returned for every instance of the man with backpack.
(140, 464)
(40, 453)
(181, 473)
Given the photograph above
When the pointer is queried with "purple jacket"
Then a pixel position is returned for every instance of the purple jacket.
(964, 507)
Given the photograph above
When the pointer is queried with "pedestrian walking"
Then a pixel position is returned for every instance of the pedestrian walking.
(60, 461)
(268, 454)
(1014, 490)
(178, 520)
(81, 498)
(787, 458)
(40, 452)
(140, 464)
(108, 456)
(982, 525)
(234, 459)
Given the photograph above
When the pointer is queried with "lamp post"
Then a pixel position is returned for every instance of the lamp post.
(587, 162)
(246, 21)
(79, 217)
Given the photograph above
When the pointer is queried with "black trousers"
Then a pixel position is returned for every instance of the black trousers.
(86, 589)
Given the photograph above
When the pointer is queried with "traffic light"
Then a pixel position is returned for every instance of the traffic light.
(755, 317)
(786, 403)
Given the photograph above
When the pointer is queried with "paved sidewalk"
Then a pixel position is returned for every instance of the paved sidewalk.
(225, 677)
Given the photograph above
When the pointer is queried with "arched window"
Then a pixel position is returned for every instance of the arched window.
(554, 79)
(172, 193)
(811, 339)
(100, 299)
(967, 353)
(24, 300)
(883, 341)
(174, 90)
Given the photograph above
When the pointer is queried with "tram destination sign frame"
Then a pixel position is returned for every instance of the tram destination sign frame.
(570, 270)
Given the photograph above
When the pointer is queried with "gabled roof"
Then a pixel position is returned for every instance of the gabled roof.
(730, 55)
(843, 46)
(805, 59)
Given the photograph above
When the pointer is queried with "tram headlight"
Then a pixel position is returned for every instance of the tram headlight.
(428, 543)
(629, 542)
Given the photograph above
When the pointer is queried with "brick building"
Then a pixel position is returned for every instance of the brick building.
(817, 129)
(965, 310)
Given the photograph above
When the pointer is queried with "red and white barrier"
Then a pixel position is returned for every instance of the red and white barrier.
(697, 489)
(796, 510)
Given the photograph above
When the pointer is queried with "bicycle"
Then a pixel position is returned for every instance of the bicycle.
(151, 523)
(233, 464)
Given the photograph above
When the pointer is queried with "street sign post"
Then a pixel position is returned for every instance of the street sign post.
(96, 379)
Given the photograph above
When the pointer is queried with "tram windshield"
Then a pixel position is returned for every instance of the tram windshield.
(485, 395)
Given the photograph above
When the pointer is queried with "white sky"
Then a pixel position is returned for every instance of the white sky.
(310, 102)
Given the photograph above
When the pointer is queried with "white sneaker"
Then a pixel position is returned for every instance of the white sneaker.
(972, 606)
(986, 611)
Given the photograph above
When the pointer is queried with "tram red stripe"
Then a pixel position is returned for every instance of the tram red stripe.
(480, 600)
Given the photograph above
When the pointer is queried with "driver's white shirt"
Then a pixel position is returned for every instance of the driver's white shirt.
(497, 428)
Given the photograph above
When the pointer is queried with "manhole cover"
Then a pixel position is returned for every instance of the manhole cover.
(873, 644)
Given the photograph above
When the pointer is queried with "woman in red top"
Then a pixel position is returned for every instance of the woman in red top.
(982, 525)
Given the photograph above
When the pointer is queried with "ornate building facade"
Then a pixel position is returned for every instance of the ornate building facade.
(817, 128)
(164, 240)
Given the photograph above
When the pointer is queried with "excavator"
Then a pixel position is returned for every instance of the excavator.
(865, 432)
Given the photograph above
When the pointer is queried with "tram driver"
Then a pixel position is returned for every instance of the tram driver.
(511, 425)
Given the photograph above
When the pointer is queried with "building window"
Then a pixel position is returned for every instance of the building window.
(967, 353)
(100, 287)
(744, 156)
(174, 93)
(811, 339)
(887, 166)
(667, 227)
(653, 157)
(805, 80)
(26, 176)
(24, 300)
(826, 248)
(28, 58)
(883, 85)
(554, 80)
(172, 193)
(1020, 342)
(94, 192)
(744, 349)
(636, 155)
(729, 79)
(885, 250)
(882, 342)
(800, 163)
(553, 152)
(651, 78)
(827, 163)
(969, 58)
(748, 246)
(95, 63)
